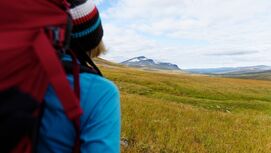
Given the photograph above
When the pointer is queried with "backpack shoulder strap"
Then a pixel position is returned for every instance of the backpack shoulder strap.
(57, 77)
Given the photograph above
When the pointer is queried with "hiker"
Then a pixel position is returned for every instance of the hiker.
(32, 37)
(100, 122)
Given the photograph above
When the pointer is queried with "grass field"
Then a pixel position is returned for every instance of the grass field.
(181, 113)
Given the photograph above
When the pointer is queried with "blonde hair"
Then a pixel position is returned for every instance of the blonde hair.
(97, 51)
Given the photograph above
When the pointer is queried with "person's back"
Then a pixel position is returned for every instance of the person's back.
(99, 124)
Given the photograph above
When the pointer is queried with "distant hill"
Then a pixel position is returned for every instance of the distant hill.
(231, 70)
(143, 62)
(264, 75)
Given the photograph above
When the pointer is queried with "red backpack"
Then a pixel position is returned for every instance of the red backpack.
(32, 33)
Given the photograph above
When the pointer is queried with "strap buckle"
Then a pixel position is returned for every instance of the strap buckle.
(61, 35)
(57, 37)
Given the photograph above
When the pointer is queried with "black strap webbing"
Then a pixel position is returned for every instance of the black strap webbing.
(83, 69)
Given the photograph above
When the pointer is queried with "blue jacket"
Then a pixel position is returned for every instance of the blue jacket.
(99, 125)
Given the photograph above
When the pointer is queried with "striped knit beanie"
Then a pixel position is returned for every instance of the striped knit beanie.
(87, 29)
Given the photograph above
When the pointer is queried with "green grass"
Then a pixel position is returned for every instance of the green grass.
(151, 125)
(167, 113)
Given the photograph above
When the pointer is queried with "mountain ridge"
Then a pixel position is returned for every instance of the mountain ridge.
(231, 70)
(144, 62)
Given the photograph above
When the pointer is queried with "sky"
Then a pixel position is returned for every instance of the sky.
(189, 33)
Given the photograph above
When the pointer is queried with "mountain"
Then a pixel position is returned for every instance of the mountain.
(144, 62)
(232, 70)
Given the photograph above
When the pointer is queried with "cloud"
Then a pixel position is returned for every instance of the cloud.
(212, 32)
(232, 53)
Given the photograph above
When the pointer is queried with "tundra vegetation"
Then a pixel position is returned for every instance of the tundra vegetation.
(182, 113)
